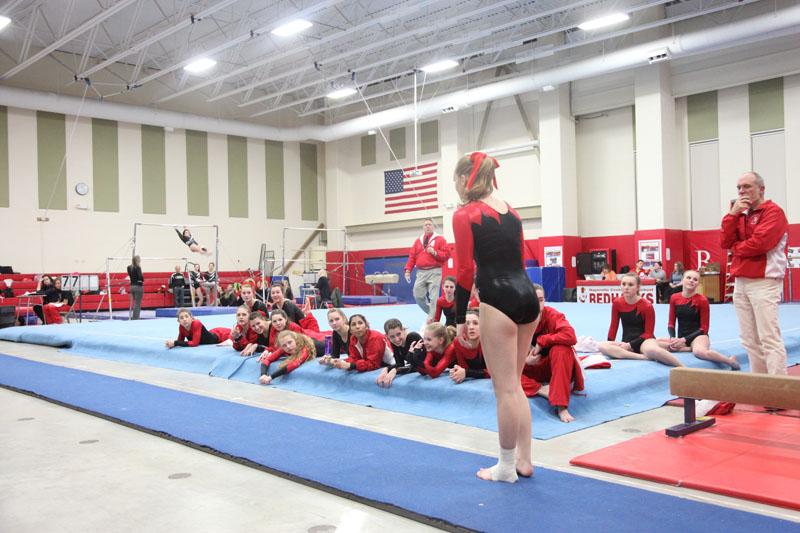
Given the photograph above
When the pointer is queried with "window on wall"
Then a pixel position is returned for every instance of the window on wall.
(397, 142)
(429, 137)
(368, 155)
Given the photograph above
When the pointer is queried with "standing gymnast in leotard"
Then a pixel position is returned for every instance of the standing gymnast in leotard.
(489, 239)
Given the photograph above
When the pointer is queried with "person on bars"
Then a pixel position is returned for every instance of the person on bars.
(188, 240)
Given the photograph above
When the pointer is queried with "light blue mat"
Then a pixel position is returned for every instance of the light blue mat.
(628, 387)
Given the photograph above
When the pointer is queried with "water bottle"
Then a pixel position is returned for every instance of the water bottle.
(328, 345)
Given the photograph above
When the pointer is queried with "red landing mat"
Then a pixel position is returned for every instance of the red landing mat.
(753, 456)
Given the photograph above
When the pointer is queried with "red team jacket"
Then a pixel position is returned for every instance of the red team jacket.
(420, 258)
(758, 241)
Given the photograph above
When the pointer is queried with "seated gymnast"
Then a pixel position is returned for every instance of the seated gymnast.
(340, 339)
(280, 301)
(247, 297)
(229, 297)
(192, 332)
(468, 353)
(446, 303)
(692, 313)
(638, 320)
(368, 348)
(242, 334)
(435, 350)
(188, 240)
(262, 327)
(400, 341)
(551, 369)
(295, 349)
(48, 311)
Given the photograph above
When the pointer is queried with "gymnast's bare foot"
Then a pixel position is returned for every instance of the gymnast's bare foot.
(564, 415)
(524, 468)
(544, 391)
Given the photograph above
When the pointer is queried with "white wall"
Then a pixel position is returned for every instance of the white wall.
(355, 193)
(80, 239)
(606, 173)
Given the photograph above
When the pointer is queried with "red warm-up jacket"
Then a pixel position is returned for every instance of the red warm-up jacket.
(757, 240)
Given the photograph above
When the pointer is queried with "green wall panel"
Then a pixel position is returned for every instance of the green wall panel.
(154, 171)
(51, 147)
(368, 150)
(429, 137)
(197, 172)
(397, 141)
(5, 194)
(766, 105)
(274, 170)
(309, 209)
(105, 165)
(702, 116)
(237, 176)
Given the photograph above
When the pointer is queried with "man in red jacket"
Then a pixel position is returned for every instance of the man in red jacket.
(428, 254)
(756, 231)
(552, 360)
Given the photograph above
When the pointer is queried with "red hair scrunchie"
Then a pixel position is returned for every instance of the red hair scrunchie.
(477, 159)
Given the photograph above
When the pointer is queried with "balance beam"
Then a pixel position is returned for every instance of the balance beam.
(692, 384)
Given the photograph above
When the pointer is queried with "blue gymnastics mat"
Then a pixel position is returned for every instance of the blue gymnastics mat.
(430, 483)
(629, 387)
(205, 310)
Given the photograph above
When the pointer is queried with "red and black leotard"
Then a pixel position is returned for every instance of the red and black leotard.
(470, 359)
(491, 244)
(638, 321)
(197, 334)
(433, 364)
(242, 337)
(692, 314)
(449, 310)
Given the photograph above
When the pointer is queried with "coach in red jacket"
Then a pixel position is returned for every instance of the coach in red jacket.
(428, 254)
(756, 230)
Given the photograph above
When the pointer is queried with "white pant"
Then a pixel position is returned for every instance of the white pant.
(756, 302)
(426, 289)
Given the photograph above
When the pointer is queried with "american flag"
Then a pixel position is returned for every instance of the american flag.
(404, 192)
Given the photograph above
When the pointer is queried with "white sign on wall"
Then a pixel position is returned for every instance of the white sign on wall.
(553, 256)
(605, 294)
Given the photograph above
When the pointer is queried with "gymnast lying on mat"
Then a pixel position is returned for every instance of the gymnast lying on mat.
(368, 349)
(692, 313)
(192, 332)
(242, 334)
(467, 354)
(638, 320)
(188, 240)
(400, 341)
(295, 349)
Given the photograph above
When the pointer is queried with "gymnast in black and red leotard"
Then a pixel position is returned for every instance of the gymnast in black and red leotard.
(489, 242)
(691, 311)
(638, 320)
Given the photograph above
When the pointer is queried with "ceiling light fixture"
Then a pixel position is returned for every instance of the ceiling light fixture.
(548, 88)
(371, 132)
(201, 64)
(439, 66)
(343, 92)
(602, 22)
(4, 21)
(292, 27)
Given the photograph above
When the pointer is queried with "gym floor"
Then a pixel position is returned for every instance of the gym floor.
(66, 470)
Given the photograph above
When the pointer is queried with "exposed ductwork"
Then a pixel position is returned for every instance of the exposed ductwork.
(784, 22)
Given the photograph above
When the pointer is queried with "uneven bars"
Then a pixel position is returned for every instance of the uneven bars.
(176, 225)
(317, 229)
(148, 258)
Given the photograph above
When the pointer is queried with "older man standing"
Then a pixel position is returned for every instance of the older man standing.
(756, 231)
(428, 254)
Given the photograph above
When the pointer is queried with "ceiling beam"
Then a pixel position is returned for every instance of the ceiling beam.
(89, 24)
(184, 22)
